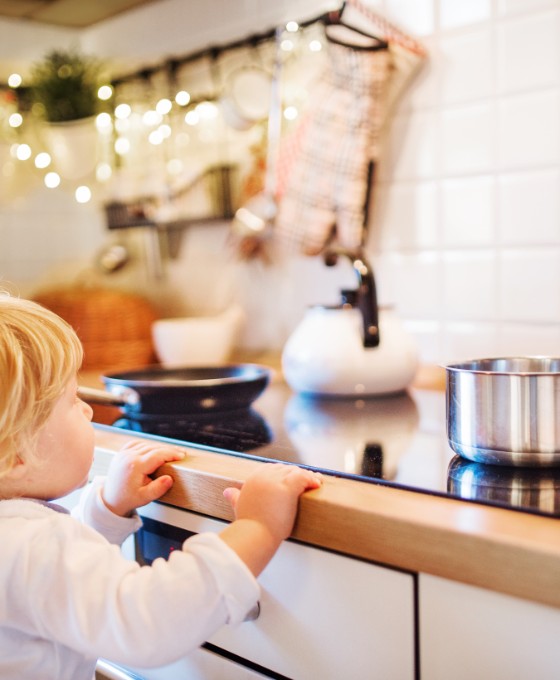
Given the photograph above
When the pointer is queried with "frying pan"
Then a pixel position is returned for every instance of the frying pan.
(155, 391)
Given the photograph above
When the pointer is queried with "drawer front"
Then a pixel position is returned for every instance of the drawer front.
(468, 632)
(322, 615)
(200, 665)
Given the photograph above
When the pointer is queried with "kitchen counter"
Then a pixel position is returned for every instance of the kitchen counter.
(504, 551)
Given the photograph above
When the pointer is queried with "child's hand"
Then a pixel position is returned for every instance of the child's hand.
(128, 485)
(270, 496)
(265, 509)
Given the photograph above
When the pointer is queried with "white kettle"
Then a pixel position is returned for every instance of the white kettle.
(351, 349)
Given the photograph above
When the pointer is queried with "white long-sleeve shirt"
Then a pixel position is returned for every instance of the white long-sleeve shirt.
(68, 596)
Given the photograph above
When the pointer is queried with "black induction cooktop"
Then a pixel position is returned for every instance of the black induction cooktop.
(397, 440)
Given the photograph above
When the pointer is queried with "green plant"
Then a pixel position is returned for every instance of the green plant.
(64, 86)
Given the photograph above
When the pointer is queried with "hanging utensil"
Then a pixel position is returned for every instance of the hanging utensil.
(112, 258)
(245, 96)
(256, 217)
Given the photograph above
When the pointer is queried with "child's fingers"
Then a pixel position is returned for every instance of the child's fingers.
(305, 479)
(292, 475)
(231, 494)
(142, 447)
(164, 454)
(151, 456)
(136, 446)
(156, 488)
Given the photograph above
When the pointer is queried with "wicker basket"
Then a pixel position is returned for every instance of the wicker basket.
(115, 327)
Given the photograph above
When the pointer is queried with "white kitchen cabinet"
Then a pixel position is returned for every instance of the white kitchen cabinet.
(200, 665)
(468, 632)
(322, 615)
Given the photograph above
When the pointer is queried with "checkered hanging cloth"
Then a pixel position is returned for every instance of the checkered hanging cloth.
(323, 190)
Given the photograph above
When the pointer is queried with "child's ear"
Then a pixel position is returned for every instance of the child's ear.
(18, 470)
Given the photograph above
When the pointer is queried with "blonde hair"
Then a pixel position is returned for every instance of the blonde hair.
(39, 354)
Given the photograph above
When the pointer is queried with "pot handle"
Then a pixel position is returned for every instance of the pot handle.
(121, 396)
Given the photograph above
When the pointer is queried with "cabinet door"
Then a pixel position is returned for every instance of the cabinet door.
(200, 665)
(468, 632)
(203, 665)
(322, 615)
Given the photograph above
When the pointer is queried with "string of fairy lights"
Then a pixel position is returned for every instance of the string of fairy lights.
(143, 110)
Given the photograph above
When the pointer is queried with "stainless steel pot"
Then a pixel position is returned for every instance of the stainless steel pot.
(505, 411)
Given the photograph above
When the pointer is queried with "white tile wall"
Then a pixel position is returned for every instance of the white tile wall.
(468, 213)
(468, 139)
(529, 207)
(454, 13)
(528, 134)
(412, 282)
(465, 229)
(529, 284)
(467, 66)
(414, 16)
(469, 285)
(406, 215)
(529, 52)
(413, 147)
(494, 125)
(463, 340)
(536, 339)
(519, 6)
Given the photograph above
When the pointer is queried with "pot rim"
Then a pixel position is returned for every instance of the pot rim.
(534, 365)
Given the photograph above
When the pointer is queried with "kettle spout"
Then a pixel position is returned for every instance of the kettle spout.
(365, 296)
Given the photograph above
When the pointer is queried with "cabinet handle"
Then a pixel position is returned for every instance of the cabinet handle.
(108, 671)
(254, 613)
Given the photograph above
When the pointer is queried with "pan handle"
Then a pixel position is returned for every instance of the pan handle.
(121, 396)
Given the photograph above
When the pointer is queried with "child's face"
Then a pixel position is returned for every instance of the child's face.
(65, 445)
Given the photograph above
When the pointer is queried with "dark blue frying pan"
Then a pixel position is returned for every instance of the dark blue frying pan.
(157, 391)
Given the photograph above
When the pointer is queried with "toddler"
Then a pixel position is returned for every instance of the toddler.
(68, 594)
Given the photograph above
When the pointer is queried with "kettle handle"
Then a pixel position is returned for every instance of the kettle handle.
(365, 295)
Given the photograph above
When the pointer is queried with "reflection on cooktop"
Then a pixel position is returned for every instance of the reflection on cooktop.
(372, 433)
(397, 440)
(237, 431)
(537, 488)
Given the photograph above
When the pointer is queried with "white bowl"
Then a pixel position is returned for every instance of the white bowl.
(197, 341)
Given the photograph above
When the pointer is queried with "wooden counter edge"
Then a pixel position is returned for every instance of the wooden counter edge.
(515, 553)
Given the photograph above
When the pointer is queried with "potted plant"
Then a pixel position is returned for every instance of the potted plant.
(64, 86)
(64, 89)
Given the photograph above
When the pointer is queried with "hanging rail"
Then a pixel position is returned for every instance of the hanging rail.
(173, 64)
